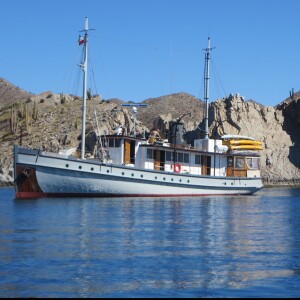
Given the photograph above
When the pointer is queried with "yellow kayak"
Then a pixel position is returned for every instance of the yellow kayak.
(242, 142)
(246, 147)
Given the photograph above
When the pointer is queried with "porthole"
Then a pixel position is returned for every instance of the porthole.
(92, 169)
(142, 175)
(67, 165)
(123, 173)
(164, 178)
(155, 177)
(188, 181)
(80, 167)
(132, 174)
(107, 171)
(172, 179)
(180, 180)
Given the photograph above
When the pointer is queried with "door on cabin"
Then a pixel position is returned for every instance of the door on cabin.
(206, 165)
(159, 160)
(129, 152)
(230, 172)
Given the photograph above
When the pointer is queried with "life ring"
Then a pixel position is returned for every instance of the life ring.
(177, 168)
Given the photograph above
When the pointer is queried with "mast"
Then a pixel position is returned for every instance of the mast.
(134, 111)
(206, 84)
(84, 67)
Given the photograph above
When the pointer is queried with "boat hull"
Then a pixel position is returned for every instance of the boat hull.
(39, 174)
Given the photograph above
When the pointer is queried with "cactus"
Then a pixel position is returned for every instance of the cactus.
(34, 112)
(292, 94)
(27, 119)
(62, 98)
(21, 110)
(89, 94)
(24, 110)
(36, 115)
(13, 120)
(76, 124)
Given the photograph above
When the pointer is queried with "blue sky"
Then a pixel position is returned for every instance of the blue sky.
(150, 48)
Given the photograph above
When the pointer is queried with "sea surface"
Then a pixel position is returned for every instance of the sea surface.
(242, 246)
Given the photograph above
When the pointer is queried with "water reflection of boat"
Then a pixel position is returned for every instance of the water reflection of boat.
(130, 165)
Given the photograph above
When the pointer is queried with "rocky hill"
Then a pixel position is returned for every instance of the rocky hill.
(274, 126)
(53, 122)
(10, 93)
(172, 106)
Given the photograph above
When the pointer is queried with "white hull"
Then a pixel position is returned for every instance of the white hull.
(58, 176)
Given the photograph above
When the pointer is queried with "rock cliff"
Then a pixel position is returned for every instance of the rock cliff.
(276, 127)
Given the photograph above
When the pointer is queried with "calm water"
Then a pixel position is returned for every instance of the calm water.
(183, 247)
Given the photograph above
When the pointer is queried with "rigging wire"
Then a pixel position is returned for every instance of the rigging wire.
(171, 66)
(159, 70)
(67, 79)
(92, 72)
(78, 77)
(75, 89)
(218, 80)
(90, 90)
(95, 127)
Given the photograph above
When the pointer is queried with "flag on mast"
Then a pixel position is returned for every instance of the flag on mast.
(81, 40)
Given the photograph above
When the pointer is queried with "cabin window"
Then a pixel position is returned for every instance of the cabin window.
(180, 157)
(256, 163)
(111, 142)
(169, 156)
(230, 162)
(150, 153)
(253, 163)
(114, 143)
(249, 163)
(186, 158)
(183, 157)
(239, 163)
(104, 142)
(197, 159)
